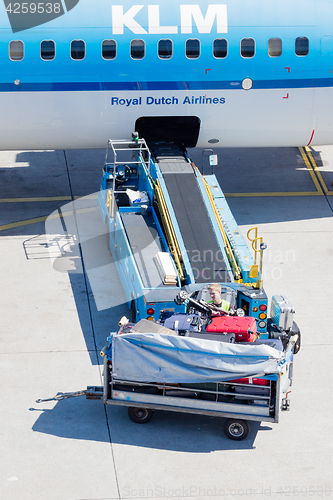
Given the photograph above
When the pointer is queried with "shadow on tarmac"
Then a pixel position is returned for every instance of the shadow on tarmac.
(279, 172)
(96, 324)
(80, 419)
(239, 171)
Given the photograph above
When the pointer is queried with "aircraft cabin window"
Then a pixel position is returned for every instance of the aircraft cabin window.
(274, 47)
(165, 49)
(192, 48)
(137, 49)
(16, 50)
(220, 48)
(109, 49)
(47, 50)
(78, 50)
(247, 47)
(302, 46)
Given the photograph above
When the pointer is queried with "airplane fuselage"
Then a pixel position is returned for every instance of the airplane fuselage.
(234, 73)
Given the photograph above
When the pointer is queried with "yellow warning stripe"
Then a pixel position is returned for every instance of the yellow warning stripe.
(47, 198)
(22, 223)
(311, 171)
(31, 200)
(12, 225)
(316, 169)
(278, 194)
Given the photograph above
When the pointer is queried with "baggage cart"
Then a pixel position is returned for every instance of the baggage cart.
(196, 389)
(190, 386)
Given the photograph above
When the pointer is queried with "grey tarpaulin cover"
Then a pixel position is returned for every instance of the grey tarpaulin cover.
(151, 357)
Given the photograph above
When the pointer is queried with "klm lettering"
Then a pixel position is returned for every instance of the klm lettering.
(189, 15)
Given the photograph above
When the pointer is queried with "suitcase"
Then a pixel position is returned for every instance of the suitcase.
(218, 337)
(276, 343)
(184, 322)
(282, 312)
(254, 387)
(146, 326)
(251, 380)
(245, 328)
(213, 387)
(251, 390)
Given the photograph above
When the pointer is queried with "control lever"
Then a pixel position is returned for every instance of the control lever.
(201, 305)
(183, 298)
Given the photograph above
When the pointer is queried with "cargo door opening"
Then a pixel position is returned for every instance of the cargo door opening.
(182, 130)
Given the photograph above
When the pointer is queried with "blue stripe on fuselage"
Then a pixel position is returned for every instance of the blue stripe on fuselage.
(185, 85)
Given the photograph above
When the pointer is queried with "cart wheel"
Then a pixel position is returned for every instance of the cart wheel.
(140, 415)
(236, 429)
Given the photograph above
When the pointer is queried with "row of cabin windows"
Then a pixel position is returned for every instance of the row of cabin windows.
(164, 48)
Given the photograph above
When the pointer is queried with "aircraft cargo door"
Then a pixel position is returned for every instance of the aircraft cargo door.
(182, 130)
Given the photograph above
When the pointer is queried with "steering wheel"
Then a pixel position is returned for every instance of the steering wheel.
(125, 172)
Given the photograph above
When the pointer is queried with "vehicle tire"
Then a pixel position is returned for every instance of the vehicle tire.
(296, 331)
(236, 429)
(140, 415)
(297, 346)
(133, 312)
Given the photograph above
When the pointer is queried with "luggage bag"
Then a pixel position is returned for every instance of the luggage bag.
(282, 312)
(244, 328)
(218, 337)
(184, 322)
(251, 380)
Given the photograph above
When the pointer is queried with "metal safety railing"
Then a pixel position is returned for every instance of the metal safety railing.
(169, 230)
(258, 246)
(137, 146)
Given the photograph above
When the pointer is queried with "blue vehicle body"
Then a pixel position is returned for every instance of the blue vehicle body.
(140, 296)
(136, 232)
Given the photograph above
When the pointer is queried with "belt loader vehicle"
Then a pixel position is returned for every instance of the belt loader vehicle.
(163, 219)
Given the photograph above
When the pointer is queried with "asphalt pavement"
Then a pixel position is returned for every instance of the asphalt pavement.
(59, 301)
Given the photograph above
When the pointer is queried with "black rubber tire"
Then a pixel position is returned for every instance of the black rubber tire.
(140, 415)
(236, 429)
(296, 331)
(133, 312)
(297, 346)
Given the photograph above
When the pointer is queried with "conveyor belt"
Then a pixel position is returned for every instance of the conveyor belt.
(198, 235)
(145, 243)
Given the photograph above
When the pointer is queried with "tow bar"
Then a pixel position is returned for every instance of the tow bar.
(92, 392)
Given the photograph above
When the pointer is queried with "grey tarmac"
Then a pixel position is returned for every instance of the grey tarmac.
(58, 308)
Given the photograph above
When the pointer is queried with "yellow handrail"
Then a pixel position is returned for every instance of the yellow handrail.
(108, 202)
(256, 242)
(169, 230)
(228, 248)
